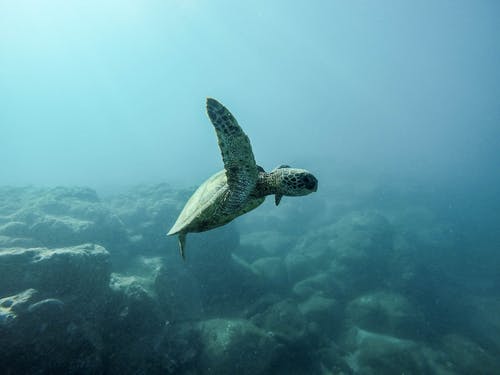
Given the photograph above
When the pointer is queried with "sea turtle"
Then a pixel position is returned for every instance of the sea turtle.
(241, 186)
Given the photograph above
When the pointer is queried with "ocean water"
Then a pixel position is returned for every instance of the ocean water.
(391, 267)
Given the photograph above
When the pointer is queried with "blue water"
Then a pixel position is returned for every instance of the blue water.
(390, 267)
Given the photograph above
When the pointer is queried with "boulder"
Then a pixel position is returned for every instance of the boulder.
(15, 229)
(61, 216)
(273, 271)
(300, 266)
(133, 329)
(138, 270)
(227, 283)
(178, 293)
(79, 271)
(148, 212)
(7, 242)
(468, 357)
(271, 243)
(284, 321)
(12, 306)
(479, 318)
(372, 353)
(178, 350)
(293, 217)
(46, 336)
(330, 360)
(321, 282)
(323, 314)
(357, 242)
(235, 346)
(386, 313)
(360, 245)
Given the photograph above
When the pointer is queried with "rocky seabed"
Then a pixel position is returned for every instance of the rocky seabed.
(92, 285)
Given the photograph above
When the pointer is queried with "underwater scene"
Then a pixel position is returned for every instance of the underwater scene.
(212, 187)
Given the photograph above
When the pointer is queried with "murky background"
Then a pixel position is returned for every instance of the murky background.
(391, 267)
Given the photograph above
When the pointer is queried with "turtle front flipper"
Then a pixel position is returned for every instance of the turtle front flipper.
(236, 150)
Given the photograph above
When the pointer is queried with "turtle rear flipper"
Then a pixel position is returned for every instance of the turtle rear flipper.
(182, 244)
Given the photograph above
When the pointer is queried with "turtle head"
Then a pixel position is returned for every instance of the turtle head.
(293, 182)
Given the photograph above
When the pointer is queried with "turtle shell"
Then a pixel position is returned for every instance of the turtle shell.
(201, 210)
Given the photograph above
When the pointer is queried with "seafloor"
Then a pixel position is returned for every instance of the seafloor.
(370, 280)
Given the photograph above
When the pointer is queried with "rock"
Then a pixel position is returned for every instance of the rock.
(14, 229)
(422, 226)
(227, 283)
(178, 350)
(322, 282)
(149, 328)
(330, 360)
(178, 293)
(11, 242)
(271, 243)
(62, 230)
(134, 328)
(233, 346)
(284, 218)
(323, 312)
(347, 248)
(422, 241)
(249, 252)
(211, 249)
(479, 317)
(273, 271)
(373, 353)
(284, 321)
(81, 271)
(300, 266)
(139, 270)
(48, 307)
(57, 339)
(267, 216)
(360, 245)
(12, 306)
(261, 304)
(59, 217)
(358, 235)
(148, 212)
(310, 255)
(386, 313)
(466, 356)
